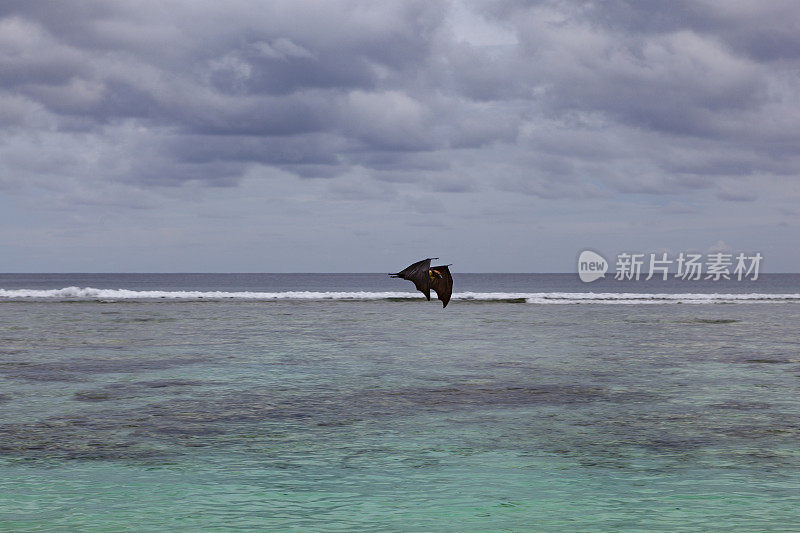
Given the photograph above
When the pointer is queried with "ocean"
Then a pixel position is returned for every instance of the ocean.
(346, 402)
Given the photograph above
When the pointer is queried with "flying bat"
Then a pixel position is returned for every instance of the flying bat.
(424, 277)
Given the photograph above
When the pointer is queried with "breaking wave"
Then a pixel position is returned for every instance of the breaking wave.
(89, 293)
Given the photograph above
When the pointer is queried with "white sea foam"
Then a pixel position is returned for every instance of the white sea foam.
(89, 293)
(126, 294)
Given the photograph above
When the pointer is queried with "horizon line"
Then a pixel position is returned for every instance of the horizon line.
(247, 273)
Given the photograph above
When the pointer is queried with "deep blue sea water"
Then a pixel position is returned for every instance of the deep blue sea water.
(345, 402)
(465, 282)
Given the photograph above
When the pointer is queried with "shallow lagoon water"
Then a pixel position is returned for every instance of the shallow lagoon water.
(149, 415)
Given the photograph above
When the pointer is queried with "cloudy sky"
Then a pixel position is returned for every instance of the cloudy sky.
(276, 136)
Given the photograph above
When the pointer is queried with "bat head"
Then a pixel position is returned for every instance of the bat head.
(434, 274)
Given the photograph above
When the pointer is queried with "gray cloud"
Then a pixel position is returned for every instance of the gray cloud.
(425, 107)
(388, 78)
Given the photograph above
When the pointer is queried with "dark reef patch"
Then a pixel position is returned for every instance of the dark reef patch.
(78, 369)
(183, 419)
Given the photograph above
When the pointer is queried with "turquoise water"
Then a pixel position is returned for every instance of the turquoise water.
(151, 415)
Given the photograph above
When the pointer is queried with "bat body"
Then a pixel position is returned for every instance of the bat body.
(424, 277)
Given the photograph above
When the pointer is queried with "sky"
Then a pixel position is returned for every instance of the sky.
(360, 136)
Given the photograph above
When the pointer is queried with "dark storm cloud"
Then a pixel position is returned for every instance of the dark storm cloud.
(554, 99)
(242, 68)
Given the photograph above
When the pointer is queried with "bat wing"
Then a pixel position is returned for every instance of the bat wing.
(442, 283)
(418, 275)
